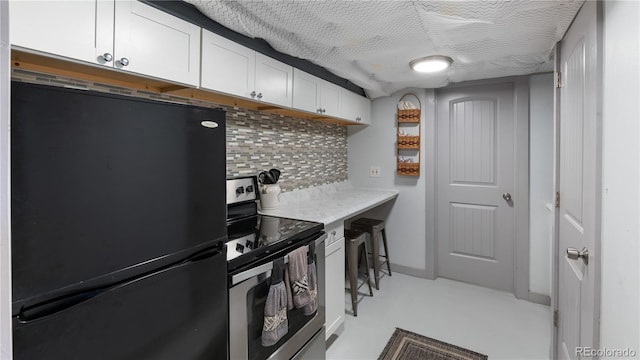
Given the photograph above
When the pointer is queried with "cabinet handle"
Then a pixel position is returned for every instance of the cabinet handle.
(107, 57)
(358, 119)
(259, 95)
(324, 111)
(253, 94)
(333, 233)
(124, 61)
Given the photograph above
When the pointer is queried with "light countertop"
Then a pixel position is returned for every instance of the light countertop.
(330, 203)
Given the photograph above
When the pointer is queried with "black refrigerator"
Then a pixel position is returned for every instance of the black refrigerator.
(118, 225)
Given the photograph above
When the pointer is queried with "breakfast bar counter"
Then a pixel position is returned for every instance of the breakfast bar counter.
(330, 203)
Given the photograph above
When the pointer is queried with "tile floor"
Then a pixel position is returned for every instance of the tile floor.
(487, 321)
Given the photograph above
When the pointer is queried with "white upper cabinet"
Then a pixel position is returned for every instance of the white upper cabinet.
(354, 107)
(329, 98)
(231, 68)
(227, 66)
(81, 30)
(274, 81)
(152, 42)
(315, 95)
(128, 35)
(135, 37)
(306, 92)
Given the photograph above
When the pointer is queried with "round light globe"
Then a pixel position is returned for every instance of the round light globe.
(431, 64)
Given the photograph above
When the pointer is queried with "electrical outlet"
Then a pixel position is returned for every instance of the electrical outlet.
(374, 171)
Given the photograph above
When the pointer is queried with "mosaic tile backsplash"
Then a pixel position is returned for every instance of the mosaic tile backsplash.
(309, 153)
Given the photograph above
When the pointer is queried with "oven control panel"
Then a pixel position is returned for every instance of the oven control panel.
(242, 245)
(242, 189)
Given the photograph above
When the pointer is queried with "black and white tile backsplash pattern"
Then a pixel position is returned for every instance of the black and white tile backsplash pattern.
(308, 153)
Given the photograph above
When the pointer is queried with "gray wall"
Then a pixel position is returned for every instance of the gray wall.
(541, 182)
(308, 153)
(410, 220)
(620, 293)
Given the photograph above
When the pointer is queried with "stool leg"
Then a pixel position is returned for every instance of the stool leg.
(364, 253)
(352, 261)
(386, 249)
(376, 257)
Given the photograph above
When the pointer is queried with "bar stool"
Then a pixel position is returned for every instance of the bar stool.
(356, 247)
(374, 228)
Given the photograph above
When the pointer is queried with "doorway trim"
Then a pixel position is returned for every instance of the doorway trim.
(6, 343)
(521, 266)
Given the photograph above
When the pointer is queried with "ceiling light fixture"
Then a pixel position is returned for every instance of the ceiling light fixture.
(431, 64)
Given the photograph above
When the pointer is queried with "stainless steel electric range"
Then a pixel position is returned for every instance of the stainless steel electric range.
(254, 242)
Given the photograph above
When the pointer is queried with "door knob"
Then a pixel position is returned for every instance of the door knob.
(124, 61)
(506, 197)
(575, 254)
(107, 57)
(253, 94)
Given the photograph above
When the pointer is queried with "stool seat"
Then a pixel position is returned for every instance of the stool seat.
(356, 246)
(375, 227)
(378, 224)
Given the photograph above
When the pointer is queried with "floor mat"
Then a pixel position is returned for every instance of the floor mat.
(406, 345)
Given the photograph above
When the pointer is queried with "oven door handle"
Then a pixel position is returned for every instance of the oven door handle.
(238, 278)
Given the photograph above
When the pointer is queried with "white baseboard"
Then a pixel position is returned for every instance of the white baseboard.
(539, 298)
(411, 271)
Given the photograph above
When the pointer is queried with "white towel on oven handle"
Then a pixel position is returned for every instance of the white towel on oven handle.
(298, 277)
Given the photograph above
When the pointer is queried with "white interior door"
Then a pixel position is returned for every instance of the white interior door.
(579, 190)
(475, 224)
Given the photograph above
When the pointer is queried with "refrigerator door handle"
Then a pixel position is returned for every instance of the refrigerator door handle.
(56, 305)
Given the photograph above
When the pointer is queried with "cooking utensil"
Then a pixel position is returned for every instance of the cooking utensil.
(269, 177)
(262, 177)
(275, 173)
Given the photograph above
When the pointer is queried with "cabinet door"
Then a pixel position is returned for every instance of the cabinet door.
(81, 30)
(329, 98)
(305, 91)
(227, 66)
(364, 109)
(274, 81)
(334, 280)
(354, 107)
(151, 42)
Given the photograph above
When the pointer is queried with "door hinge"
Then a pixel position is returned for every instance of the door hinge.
(558, 80)
(558, 200)
(555, 318)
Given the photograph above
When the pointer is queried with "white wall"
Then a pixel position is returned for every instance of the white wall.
(620, 312)
(409, 222)
(541, 182)
(5, 242)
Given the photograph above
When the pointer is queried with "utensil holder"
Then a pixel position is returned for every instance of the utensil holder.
(269, 196)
